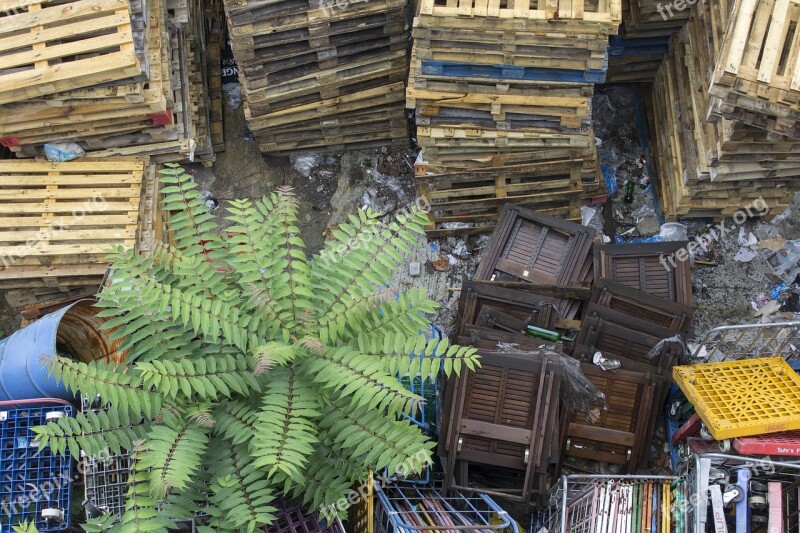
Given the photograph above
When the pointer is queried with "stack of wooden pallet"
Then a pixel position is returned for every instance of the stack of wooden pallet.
(647, 25)
(757, 75)
(117, 78)
(502, 96)
(713, 167)
(319, 74)
(60, 220)
(654, 18)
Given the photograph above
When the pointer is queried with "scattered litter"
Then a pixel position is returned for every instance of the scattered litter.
(648, 225)
(605, 364)
(452, 260)
(747, 240)
(744, 255)
(230, 78)
(777, 291)
(761, 300)
(60, 152)
(592, 217)
(211, 203)
(772, 244)
(304, 163)
(673, 231)
(769, 309)
(248, 135)
(456, 225)
(441, 264)
(460, 249)
(784, 262)
(414, 269)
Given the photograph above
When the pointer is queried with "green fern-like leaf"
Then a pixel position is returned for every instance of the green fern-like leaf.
(123, 390)
(207, 378)
(94, 433)
(347, 374)
(286, 424)
(141, 513)
(240, 490)
(172, 452)
(379, 442)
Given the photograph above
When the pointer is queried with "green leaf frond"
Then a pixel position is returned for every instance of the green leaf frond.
(410, 356)
(239, 489)
(273, 353)
(292, 280)
(286, 424)
(173, 452)
(141, 513)
(347, 281)
(190, 220)
(147, 332)
(92, 432)
(377, 441)
(124, 390)
(236, 420)
(206, 378)
(324, 486)
(359, 380)
(404, 314)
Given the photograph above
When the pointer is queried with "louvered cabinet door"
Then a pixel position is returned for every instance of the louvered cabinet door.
(503, 415)
(640, 266)
(525, 306)
(637, 303)
(618, 335)
(619, 432)
(530, 246)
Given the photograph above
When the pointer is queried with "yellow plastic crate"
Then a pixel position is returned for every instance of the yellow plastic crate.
(742, 398)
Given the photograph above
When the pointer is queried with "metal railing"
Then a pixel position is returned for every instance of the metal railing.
(747, 341)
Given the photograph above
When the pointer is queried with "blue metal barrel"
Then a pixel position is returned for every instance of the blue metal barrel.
(74, 331)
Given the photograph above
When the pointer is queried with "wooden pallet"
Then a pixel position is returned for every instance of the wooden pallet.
(635, 60)
(559, 106)
(556, 16)
(45, 46)
(305, 40)
(757, 74)
(329, 83)
(371, 99)
(256, 17)
(73, 212)
(711, 168)
(481, 196)
(653, 18)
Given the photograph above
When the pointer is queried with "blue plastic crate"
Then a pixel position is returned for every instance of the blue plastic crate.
(32, 482)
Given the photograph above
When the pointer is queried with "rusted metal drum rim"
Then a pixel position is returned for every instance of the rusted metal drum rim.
(74, 331)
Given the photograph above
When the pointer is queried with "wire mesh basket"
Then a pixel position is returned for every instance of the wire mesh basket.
(590, 503)
(294, 518)
(765, 494)
(406, 508)
(35, 486)
(106, 477)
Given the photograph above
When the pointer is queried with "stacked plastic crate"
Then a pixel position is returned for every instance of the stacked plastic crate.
(35, 486)
(502, 96)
